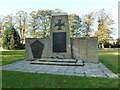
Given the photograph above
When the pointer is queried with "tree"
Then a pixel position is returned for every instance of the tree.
(1, 30)
(118, 43)
(33, 24)
(1, 26)
(8, 21)
(105, 27)
(44, 22)
(56, 10)
(11, 39)
(40, 23)
(75, 25)
(88, 20)
(21, 24)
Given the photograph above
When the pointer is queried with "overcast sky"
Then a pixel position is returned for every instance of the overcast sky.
(79, 7)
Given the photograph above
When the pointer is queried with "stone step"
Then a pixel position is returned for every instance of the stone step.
(60, 60)
(57, 63)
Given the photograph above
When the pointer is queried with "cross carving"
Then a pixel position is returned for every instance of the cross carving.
(59, 24)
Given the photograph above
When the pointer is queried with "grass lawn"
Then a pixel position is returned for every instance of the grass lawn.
(110, 60)
(11, 56)
(34, 80)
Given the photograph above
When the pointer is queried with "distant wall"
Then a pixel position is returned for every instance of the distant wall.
(85, 49)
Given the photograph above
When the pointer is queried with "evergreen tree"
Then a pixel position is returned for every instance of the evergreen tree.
(11, 39)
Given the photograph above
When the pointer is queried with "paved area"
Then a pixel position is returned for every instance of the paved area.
(89, 69)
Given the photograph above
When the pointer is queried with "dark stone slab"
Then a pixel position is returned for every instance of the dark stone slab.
(59, 42)
(37, 49)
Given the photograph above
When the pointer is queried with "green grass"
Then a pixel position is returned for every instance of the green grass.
(33, 80)
(12, 56)
(110, 59)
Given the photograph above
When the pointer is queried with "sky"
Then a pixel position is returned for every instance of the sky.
(78, 7)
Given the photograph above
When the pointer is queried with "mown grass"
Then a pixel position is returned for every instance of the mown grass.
(11, 56)
(110, 59)
(15, 79)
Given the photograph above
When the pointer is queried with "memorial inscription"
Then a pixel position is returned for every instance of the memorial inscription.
(59, 42)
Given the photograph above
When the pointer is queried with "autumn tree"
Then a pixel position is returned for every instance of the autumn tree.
(1, 30)
(33, 25)
(44, 22)
(56, 10)
(21, 24)
(118, 43)
(1, 26)
(8, 21)
(75, 25)
(88, 20)
(105, 27)
(39, 23)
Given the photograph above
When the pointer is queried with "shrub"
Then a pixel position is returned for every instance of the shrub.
(11, 39)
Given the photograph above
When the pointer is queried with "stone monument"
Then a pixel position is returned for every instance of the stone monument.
(59, 44)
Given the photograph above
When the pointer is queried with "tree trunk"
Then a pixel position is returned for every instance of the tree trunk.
(102, 45)
(99, 45)
(109, 46)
